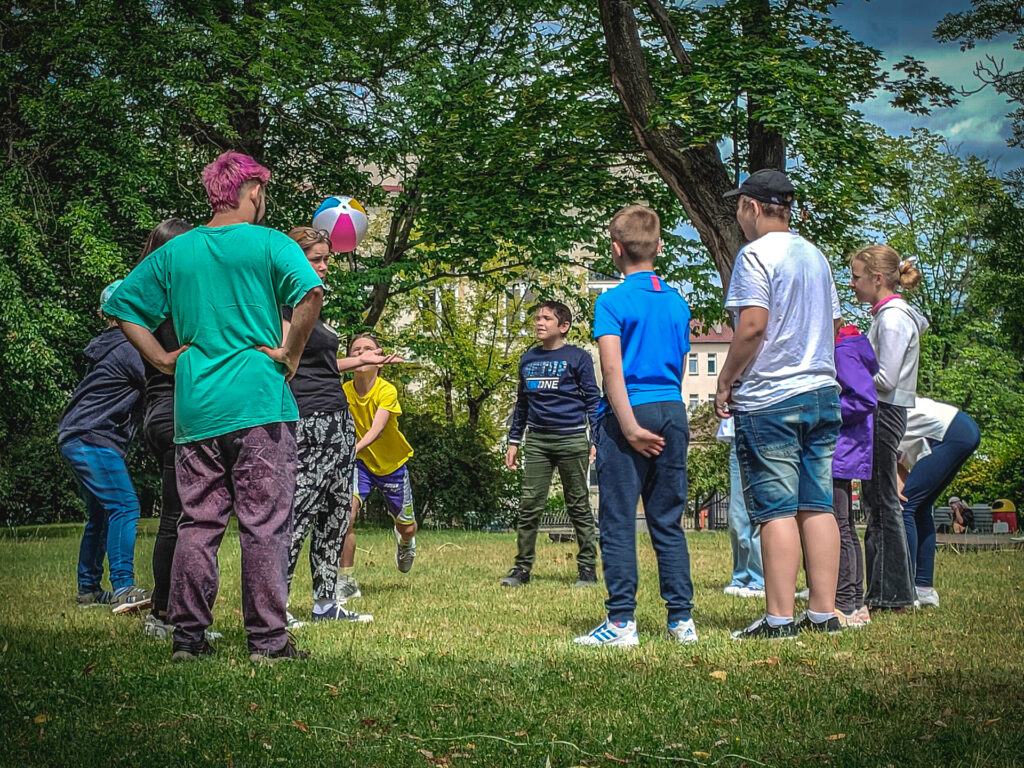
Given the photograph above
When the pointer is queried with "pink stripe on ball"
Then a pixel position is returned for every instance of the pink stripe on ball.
(343, 237)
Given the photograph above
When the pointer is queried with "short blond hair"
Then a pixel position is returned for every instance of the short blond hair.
(637, 229)
(883, 260)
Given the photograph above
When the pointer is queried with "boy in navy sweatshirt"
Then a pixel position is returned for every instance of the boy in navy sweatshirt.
(94, 433)
(558, 398)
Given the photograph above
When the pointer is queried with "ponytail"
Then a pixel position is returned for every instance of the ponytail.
(910, 276)
(885, 261)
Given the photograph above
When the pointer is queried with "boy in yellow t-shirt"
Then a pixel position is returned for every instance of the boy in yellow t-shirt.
(381, 455)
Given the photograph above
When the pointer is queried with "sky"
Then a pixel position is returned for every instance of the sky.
(978, 125)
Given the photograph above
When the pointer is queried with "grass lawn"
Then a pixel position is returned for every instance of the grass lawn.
(457, 671)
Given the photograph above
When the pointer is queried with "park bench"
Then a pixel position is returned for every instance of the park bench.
(982, 518)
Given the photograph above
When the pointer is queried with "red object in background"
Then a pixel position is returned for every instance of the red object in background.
(1010, 518)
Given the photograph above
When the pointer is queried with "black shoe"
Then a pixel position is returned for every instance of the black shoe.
(191, 651)
(517, 577)
(285, 653)
(830, 627)
(762, 630)
(588, 577)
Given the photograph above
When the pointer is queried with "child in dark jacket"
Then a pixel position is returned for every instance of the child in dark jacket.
(855, 367)
(94, 433)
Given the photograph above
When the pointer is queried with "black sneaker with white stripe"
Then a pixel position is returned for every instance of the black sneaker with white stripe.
(762, 630)
(829, 627)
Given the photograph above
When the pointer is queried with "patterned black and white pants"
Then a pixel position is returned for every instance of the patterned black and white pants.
(323, 495)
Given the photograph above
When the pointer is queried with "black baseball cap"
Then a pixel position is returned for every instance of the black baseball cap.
(766, 185)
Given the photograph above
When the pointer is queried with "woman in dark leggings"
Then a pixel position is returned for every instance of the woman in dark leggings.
(938, 440)
(158, 429)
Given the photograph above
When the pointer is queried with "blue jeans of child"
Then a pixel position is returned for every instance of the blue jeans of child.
(113, 512)
(926, 481)
(625, 476)
(747, 570)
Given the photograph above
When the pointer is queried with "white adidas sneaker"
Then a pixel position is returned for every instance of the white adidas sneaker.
(611, 633)
(682, 631)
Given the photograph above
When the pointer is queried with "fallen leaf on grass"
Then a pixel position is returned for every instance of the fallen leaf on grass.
(614, 759)
(434, 760)
(939, 724)
(253, 706)
(301, 726)
(719, 674)
(947, 712)
(89, 668)
(4, 649)
(238, 613)
(702, 755)
(720, 742)
(771, 661)
(990, 721)
(835, 737)
(520, 733)
(41, 718)
(368, 722)
(414, 738)
(332, 689)
(809, 662)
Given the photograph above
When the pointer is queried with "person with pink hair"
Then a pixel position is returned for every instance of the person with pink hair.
(223, 284)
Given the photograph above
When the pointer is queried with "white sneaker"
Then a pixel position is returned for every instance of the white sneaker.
(927, 596)
(609, 633)
(404, 553)
(682, 631)
(733, 589)
(156, 628)
(291, 622)
(750, 592)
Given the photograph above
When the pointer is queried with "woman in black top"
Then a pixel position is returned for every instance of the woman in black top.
(158, 429)
(326, 439)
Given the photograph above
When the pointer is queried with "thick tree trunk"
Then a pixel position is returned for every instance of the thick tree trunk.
(765, 146)
(696, 175)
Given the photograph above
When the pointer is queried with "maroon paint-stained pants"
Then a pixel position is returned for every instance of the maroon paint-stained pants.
(253, 472)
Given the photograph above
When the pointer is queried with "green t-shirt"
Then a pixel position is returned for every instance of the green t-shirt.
(224, 288)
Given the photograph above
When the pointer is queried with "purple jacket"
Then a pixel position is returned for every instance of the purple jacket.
(855, 367)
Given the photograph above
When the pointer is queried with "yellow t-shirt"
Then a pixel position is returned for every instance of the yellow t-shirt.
(390, 450)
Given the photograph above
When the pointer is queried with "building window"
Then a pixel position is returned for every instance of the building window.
(711, 398)
(694, 402)
(693, 364)
(712, 364)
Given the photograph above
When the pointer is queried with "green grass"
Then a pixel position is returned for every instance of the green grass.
(457, 671)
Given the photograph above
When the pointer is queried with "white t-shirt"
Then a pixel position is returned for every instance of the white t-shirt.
(927, 421)
(785, 274)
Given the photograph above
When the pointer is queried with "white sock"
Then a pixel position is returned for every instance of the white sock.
(777, 621)
(818, 618)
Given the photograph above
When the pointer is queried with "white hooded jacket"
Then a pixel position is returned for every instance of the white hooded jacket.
(895, 335)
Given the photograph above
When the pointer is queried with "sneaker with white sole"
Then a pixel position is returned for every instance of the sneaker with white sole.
(130, 599)
(337, 613)
(864, 615)
(851, 620)
(750, 592)
(348, 589)
(95, 599)
(927, 596)
(621, 633)
(762, 630)
(291, 622)
(831, 625)
(682, 631)
(157, 628)
(405, 552)
(733, 590)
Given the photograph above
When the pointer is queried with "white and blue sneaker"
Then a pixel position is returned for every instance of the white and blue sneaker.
(611, 633)
(682, 631)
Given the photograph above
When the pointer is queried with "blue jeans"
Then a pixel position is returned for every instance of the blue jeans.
(785, 452)
(926, 481)
(747, 570)
(113, 511)
(624, 476)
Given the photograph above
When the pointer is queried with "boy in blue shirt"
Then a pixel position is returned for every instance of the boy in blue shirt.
(557, 400)
(642, 327)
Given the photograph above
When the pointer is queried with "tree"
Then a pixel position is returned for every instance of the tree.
(707, 462)
(987, 20)
(778, 80)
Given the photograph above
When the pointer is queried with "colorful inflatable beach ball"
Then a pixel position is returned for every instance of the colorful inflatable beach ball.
(344, 219)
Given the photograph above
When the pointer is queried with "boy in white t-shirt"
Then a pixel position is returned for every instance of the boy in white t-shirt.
(778, 382)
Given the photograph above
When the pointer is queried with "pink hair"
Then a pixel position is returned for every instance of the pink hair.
(224, 177)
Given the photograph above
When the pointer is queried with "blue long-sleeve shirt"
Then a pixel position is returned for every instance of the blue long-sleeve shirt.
(557, 393)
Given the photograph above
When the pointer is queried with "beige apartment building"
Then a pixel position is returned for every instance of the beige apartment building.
(709, 344)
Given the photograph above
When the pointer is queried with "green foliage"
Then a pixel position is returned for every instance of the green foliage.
(36, 485)
(996, 471)
(458, 480)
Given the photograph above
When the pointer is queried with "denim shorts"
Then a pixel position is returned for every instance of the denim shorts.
(785, 455)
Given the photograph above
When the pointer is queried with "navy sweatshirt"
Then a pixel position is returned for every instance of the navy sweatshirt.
(557, 393)
(106, 408)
